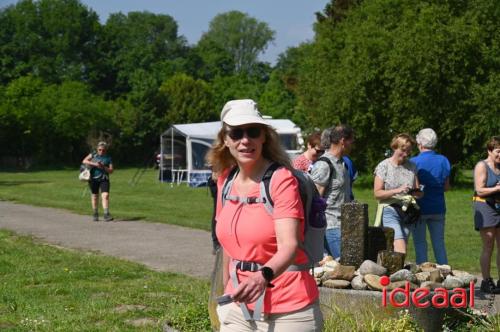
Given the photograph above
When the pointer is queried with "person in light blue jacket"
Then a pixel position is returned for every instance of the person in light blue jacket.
(433, 171)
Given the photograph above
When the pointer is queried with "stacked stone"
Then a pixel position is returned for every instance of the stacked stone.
(362, 244)
(427, 275)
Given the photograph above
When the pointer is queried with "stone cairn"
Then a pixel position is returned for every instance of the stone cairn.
(367, 254)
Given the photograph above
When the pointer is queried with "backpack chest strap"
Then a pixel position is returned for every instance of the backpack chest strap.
(245, 199)
(264, 189)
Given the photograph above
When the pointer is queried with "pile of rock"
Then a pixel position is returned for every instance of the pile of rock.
(429, 275)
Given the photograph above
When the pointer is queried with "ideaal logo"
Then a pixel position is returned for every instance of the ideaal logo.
(442, 298)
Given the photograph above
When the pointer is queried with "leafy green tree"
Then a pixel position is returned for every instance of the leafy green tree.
(276, 100)
(49, 123)
(398, 66)
(236, 87)
(187, 100)
(214, 60)
(141, 50)
(335, 11)
(139, 41)
(23, 123)
(237, 36)
(279, 98)
(51, 39)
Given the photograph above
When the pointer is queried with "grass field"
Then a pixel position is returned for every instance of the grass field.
(43, 288)
(153, 201)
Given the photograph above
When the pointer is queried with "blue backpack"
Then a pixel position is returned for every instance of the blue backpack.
(314, 210)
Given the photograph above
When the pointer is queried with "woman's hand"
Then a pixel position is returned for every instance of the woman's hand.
(249, 290)
(381, 193)
(404, 189)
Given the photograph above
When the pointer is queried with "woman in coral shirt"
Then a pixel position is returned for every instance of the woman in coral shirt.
(264, 290)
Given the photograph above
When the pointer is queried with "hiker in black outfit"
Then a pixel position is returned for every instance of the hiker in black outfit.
(101, 166)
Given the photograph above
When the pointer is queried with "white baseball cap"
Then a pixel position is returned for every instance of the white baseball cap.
(240, 112)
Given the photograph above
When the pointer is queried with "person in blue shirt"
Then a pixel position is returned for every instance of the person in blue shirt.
(101, 166)
(353, 172)
(434, 174)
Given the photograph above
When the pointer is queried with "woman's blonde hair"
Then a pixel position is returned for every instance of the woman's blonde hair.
(219, 157)
(402, 140)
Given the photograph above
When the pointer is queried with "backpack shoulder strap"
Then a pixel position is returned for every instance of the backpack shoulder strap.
(265, 187)
(330, 164)
(228, 184)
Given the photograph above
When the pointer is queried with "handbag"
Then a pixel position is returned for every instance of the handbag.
(84, 175)
(408, 217)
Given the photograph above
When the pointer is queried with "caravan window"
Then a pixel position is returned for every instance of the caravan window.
(199, 151)
(178, 157)
(289, 141)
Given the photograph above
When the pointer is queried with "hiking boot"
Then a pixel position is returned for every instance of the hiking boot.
(107, 217)
(95, 217)
(488, 286)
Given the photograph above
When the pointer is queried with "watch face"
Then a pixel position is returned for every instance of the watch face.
(268, 273)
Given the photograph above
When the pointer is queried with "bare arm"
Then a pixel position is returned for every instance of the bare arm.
(380, 193)
(417, 194)
(88, 161)
(480, 177)
(447, 184)
(321, 189)
(287, 237)
(109, 169)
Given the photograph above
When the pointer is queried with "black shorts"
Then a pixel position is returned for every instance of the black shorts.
(95, 185)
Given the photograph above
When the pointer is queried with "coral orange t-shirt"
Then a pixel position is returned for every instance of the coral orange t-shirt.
(246, 232)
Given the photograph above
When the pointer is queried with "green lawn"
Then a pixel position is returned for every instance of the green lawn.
(181, 205)
(43, 288)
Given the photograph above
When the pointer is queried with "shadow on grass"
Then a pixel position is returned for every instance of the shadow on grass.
(19, 183)
(137, 218)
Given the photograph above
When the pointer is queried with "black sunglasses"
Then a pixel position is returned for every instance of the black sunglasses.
(319, 151)
(237, 133)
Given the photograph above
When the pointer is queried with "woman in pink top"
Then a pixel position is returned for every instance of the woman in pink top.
(314, 150)
(263, 291)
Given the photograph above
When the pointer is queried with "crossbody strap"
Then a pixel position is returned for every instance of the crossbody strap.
(330, 165)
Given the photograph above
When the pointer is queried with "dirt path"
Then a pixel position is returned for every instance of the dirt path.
(159, 246)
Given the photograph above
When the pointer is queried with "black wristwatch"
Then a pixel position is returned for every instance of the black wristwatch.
(268, 274)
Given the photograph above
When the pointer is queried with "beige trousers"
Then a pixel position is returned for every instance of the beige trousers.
(308, 319)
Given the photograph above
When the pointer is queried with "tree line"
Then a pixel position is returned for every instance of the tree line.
(381, 66)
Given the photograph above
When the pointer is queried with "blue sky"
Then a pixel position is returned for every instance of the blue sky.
(292, 20)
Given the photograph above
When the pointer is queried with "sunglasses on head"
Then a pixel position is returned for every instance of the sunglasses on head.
(238, 133)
